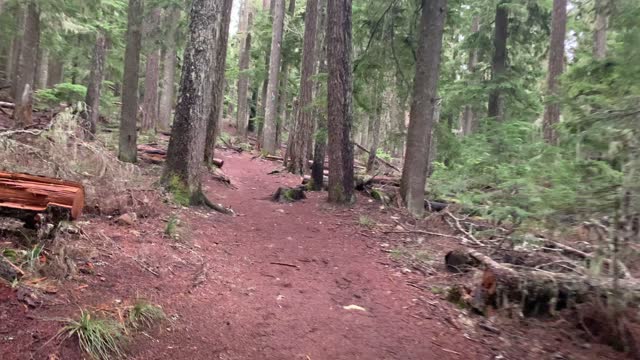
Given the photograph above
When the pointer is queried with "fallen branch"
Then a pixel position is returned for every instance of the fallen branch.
(583, 255)
(377, 158)
(7, 105)
(217, 207)
(285, 264)
(466, 233)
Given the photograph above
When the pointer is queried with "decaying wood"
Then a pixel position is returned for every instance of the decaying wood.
(287, 194)
(377, 158)
(536, 290)
(36, 194)
(624, 271)
(153, 154)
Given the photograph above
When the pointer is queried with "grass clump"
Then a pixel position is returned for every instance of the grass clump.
(366, 221)
(99, 338)
(144, 314)
(171, 230)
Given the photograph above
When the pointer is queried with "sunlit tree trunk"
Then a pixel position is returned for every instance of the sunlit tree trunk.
(320, 143)
(42, 72)
(303, 128)
(222, 38)
(186, 147)
(152, 72)
(95, 83)
(423, 105)
(601, 27)
(169, 64)
(27, 66)
(269, 133)
(556, 66)
(340, 110)
(127, 150)
(469, 119)
(499, 61)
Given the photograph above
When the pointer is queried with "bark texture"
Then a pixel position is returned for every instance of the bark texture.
(320, 147)
(601, 27)
(165, 106)
(423, 105)
(303, 128)
(271, 109)
(56, 72)
(152, 72)
(499, 61)
(42, 72)
(222, 39)
(469, 119)
(128, 135)
(340, 91)
(186, 147)
(27, 66)
(95, 83)
(16, 50)
(243, 83)
(375, 135)
(556, 66)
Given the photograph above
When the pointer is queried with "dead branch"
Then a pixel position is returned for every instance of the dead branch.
(460, 228)
(377, 158)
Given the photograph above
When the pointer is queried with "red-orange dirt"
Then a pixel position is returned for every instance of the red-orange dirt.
(271, 283)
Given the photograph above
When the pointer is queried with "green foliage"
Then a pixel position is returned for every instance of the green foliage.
(179, 190)
(61, 93)
(99, 338)
(171, 230)
(144, 314)
(366, 221)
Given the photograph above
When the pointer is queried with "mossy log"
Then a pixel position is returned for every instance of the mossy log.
(538, 292)
(287, 194)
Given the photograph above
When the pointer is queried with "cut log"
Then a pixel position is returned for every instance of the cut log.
(539, 292)
(29, 195)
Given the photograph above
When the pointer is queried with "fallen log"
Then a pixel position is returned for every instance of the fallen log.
(539, 292)
(24, 196)
(152, 153)
(7, 105)
(287, 194)
(377, 158)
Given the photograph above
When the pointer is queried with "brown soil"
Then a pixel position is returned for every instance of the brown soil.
(272, 283)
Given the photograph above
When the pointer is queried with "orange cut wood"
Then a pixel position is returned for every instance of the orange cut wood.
(38, 193)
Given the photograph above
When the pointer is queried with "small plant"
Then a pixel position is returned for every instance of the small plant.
(366, 221)
(98, 338)
(171, 230)
(144, 314)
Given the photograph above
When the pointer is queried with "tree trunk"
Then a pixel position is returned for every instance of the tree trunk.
(16, 50)
(56, 72)
(319, 150)
(185, 154)
(265, 83)
(128, 135)
(282, 89)
(469, 120)
(425, 88)
(222, 38)
(95, 83)
(499, 61)
(27, 66)
(600, 31)
(340, 92)
(151, 81)
(556, 66)
(42, 72)
(242, 120)
(168, 71)
(375, 135)
(269, 133)
(304, 120)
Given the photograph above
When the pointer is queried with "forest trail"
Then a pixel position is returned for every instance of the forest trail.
(250, 307)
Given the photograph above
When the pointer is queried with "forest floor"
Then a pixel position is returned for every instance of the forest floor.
(273, 283)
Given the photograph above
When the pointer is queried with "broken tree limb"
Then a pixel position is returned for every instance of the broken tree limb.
(37, 194)
(217, 207)
(466, 233)
(7, 105)
(540, 291)
(377, 158)
(586, 256)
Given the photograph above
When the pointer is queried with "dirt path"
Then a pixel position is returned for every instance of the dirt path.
(271, 283)
(252, 308)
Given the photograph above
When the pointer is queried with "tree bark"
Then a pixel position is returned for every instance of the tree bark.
(42, 72)
(222, 39)
(600, 30)
(319, 150)
(265, 83)
(96, 77)
(269, 133)
(16, 50)
(499, 61)
(424, 102)
(27, 66)
(242, 120)
(282, 88)
(340, 92)
(469, 120)
(128, 135)
(185, 154)
(375, 135)
(556, 66)
(168, 70)
(152, 72)
(303, 128)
